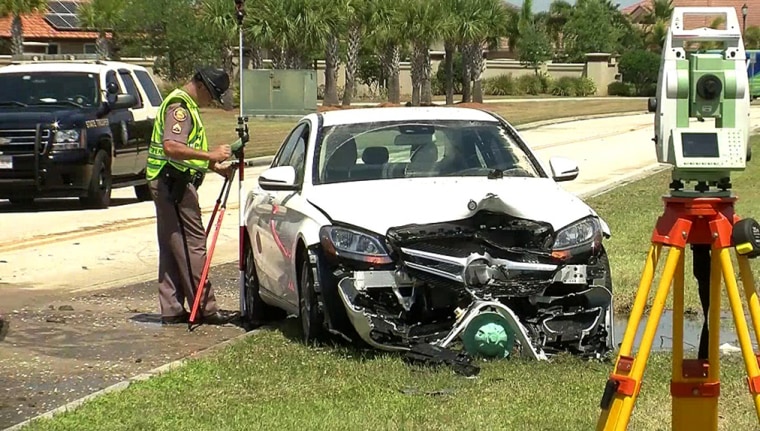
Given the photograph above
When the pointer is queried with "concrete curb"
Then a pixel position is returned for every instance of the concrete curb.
(124, 384)
(264, 161)
(267, 160)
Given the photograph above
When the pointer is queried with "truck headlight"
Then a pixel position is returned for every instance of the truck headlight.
(353, 244)
(67, 139)
(582, 232)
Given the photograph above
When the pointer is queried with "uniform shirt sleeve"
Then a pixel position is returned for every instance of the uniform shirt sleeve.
(177, 123)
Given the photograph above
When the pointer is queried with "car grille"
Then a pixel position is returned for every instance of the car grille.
(21, 141)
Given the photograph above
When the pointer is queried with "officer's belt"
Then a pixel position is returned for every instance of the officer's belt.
(171, 172)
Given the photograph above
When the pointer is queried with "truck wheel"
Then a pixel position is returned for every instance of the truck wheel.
(99, 191)
(143, 193)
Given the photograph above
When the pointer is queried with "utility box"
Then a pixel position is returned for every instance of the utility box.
(279, 92)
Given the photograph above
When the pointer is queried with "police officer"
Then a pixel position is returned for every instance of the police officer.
(177, 161)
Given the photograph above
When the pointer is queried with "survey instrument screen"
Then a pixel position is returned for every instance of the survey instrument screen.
(700, 144)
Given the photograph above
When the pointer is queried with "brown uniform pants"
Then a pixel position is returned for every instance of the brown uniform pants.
(180, 228)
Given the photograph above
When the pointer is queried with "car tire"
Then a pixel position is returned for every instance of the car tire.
(257, 312)
(309, 313)
(143, 194)
(99, 190)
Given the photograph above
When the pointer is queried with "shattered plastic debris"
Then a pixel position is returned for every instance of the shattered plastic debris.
(430, 355)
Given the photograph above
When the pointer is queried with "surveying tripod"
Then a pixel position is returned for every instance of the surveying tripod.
(707, 219)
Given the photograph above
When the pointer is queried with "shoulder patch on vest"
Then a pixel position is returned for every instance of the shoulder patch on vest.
(180, 114)
(176, 128)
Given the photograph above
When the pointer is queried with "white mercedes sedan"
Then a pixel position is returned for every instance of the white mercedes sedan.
(395, 227)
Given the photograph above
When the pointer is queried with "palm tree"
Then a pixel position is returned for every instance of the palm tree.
(16, 8)
(386, 21)
(222, 23)
(360, 17)
(102, 16)
(493, 20)
(559, 13)
(422, 26)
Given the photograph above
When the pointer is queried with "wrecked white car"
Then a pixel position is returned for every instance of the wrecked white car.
(436, 226)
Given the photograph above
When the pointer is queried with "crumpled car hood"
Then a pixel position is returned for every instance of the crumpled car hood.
(379, 205)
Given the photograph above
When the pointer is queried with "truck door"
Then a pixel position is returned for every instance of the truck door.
(124, 155)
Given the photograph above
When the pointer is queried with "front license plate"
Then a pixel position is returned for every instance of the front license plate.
(6, 162)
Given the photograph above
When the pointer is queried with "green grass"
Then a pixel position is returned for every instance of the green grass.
(632, 211)
(270, 381)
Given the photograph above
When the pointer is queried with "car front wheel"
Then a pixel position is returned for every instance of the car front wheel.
(99, 190)
(257, 312)
(310, 315)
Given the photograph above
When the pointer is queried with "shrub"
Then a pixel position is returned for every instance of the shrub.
(640, 68)
(584, 86)
(502, 85)
(529, 84)
(618, 88)
(564, 86)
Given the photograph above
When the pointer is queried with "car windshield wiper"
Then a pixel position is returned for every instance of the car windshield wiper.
(61, 102)
(12, 102)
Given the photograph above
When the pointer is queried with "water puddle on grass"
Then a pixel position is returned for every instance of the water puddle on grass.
(692, 330)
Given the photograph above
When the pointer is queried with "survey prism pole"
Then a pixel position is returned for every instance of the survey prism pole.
(242, 130)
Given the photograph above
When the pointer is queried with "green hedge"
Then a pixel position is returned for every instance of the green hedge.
(507, 85)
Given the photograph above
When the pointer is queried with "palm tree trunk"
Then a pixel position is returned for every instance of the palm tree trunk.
(101, 46)
(449, 67)
(426, 72)
(256, 58)
(416, 75)
(278, 58)
(331, 71)
(352, 58)
(479, 68)
(17, 36)
(391, 59)
(466, 94)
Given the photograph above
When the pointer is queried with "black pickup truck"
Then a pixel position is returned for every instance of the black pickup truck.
(76, 128)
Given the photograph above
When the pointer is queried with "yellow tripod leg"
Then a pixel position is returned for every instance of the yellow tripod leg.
(625, 382)
(748, 281)
(750, 360)
(695, 386)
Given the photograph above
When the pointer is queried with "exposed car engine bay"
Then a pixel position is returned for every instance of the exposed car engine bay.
(492, 282)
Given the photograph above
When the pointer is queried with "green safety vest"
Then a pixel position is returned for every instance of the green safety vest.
(197, 138)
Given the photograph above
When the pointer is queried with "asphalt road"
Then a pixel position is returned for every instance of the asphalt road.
(79, 285)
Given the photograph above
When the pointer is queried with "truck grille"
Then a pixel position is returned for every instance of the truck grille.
(21, 141)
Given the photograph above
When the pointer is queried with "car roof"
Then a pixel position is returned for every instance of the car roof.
(68, 66)
(412, 113)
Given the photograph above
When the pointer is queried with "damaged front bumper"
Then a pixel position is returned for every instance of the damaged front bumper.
(432, 298)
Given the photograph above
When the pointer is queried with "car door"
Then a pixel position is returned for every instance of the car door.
(153, 100)
(269, 256)
(287, 217)
(139, 127)
(124, 155)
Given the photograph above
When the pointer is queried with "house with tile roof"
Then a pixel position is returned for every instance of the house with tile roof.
(637, 11)
(55, 30)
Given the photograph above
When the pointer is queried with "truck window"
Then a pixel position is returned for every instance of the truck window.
(49, 88)
(154, 96)
(131, 87)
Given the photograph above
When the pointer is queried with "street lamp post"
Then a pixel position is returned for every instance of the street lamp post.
(744, 17)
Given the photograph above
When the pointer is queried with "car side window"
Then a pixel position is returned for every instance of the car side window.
(298, 156)
(283, 156)
(131, 87)
(154, 96)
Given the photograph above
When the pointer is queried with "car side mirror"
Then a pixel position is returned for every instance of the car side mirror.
(279, 178)
(563, 169)
(117, 101)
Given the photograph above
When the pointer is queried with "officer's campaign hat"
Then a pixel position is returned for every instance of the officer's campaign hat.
(217, 81)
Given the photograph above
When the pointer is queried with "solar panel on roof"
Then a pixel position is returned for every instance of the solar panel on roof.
(57, 7)
(58, 22)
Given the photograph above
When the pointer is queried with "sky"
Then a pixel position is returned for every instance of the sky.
(543, 5)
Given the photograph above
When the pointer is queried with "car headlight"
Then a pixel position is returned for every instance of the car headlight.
(67, 139)
(353, 244)
(580, 233)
